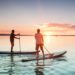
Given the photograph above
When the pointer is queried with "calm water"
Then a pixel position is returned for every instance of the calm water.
(60, 66)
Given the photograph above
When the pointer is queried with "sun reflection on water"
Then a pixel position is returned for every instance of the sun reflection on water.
(47, 37)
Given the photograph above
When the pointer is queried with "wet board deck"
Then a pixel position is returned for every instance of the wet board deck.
(47, 56)
(17, 52)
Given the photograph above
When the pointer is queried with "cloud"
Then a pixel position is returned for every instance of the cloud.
(59, 25)
(72, 26)
(57, 30)
(60, 28)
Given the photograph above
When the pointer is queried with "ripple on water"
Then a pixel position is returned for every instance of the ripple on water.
(52, 67)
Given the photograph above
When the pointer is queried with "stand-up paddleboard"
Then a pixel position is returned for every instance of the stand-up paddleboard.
(47, 56)
(17, 52)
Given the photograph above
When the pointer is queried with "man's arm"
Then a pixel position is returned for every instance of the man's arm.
(17, 35)
(42, 39)
(35, 36)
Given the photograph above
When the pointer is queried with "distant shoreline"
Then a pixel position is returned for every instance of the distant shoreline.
(33, 35)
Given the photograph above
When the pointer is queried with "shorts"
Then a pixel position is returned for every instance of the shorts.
(39, 46)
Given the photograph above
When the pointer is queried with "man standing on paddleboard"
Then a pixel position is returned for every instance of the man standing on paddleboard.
(12, 36)
(39, 44)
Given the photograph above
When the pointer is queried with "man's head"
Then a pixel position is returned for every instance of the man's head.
(13, 31)
(38, 30)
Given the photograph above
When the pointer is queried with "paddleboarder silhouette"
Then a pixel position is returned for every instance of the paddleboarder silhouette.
(39, 44)
(12, 36)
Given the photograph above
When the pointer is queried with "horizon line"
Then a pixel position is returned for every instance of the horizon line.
(43, 35)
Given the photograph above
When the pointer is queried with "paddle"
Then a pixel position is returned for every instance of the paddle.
(47, 50)
(19, 43)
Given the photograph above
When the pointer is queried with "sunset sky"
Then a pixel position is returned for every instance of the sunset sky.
(52, 16)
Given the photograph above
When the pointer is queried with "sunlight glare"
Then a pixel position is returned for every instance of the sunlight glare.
(48, 33)
(47, 38)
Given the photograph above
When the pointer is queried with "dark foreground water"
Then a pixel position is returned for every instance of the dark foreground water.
(14, 66)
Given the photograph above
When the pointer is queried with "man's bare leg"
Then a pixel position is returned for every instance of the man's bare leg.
(43, 56)
(12, 45)
(11, 48)
(37, 56)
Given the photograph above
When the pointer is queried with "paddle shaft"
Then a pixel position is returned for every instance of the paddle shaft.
(19, 43)
(47, 50)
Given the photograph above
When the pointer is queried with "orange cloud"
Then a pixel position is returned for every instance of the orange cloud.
(57, 28)
(61, 25)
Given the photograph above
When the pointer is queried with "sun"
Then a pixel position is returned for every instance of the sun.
(47, 33)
